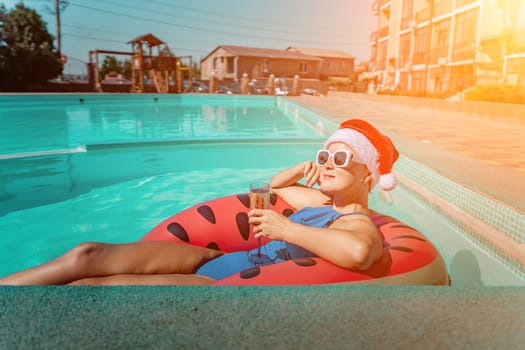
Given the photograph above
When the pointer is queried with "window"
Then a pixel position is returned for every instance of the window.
(303, 67)
(265, 68)
(466, 27)
(440, 41)
(381, 58)
(230, 65)
(408, 9)
(404, 50)
(421, 46)
(465, 35)
(442, 33)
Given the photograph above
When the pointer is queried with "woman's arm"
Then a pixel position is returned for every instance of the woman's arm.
(352, 242)
(286, 185)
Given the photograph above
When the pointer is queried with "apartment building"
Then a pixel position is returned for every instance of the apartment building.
(433, 46)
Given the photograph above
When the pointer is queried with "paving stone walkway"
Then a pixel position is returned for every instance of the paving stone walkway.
(486, 153)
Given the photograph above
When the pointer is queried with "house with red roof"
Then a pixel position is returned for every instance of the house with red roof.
(229, 63)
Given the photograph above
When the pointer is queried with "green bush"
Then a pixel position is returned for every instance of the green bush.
(504, 93)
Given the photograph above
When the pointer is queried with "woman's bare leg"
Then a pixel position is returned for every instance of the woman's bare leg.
(146, 280)
(99, 259)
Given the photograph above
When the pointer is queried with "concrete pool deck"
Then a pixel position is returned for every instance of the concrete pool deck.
(326, 317)
(323, 317)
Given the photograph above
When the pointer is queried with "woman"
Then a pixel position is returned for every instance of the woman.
(332, 222)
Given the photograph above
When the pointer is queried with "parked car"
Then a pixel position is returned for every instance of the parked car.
(256, 87)
(222, 89)
(149, 81)
(281, 87)
(113, 78)
(312, 92)
(197, 86)
(281, 91)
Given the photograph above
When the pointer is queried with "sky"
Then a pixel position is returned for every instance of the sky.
(197, 27)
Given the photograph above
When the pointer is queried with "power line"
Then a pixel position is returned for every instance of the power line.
(201, 11)
(122, 42)
(205, 30)
(215, 14)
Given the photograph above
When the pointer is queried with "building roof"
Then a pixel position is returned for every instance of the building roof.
(320, 52)
(265, 53)
(149, 38)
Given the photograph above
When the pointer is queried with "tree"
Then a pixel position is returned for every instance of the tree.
(196, 70)
(166, 52)
(27, 55)
(510, 11)
(112, 65)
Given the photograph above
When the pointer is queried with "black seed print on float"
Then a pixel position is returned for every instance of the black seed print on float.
(244, 199)
(178, 231)
(287, 212)
(207, 213)
(213, 245)
(401, 226)
(242, 224)
(250, 273)
(401, 249)
(305, 262)
(411, 237)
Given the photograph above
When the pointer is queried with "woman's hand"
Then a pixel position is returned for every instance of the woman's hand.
(310, 173)
(268, 223)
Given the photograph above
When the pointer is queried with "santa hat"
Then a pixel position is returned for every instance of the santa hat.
(372, 149)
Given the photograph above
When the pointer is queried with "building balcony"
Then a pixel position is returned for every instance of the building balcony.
(383, 32)
(381, 64)
(442, 8)
(384, 6)
(374, 37)
(439, 55)
(460, 3)
(375, 8)
(423, 15)
(406, 23)
(419, 57)
(463, 51)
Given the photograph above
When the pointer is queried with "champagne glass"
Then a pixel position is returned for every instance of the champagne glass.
(259, 199)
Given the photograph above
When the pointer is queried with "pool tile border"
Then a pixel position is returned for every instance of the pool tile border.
(494, 214)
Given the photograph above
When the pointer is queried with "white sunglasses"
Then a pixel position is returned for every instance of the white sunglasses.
(340, 158)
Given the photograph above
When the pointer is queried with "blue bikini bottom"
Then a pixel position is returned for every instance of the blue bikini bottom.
(232, 263)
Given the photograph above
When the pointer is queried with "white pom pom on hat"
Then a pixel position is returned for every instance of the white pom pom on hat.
(372, 148)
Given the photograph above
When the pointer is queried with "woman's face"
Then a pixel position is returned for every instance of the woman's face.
(351, 177)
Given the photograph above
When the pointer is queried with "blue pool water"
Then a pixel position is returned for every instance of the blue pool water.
(68, 122)
(109, 168)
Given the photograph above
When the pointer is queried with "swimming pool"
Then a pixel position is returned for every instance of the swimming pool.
(109, 168)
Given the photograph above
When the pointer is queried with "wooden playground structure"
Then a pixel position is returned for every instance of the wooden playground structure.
(148, 64)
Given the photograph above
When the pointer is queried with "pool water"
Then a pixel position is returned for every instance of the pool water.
(71, 121)
(86, 171)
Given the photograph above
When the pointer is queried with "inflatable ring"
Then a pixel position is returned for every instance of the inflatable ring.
(409, 258)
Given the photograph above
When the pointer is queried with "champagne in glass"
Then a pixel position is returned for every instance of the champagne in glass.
(259, 199)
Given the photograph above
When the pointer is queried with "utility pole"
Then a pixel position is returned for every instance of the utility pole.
(58, 5)
(57, 17)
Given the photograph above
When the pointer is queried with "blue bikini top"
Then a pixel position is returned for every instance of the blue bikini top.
(315, 217)
(319, 216)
